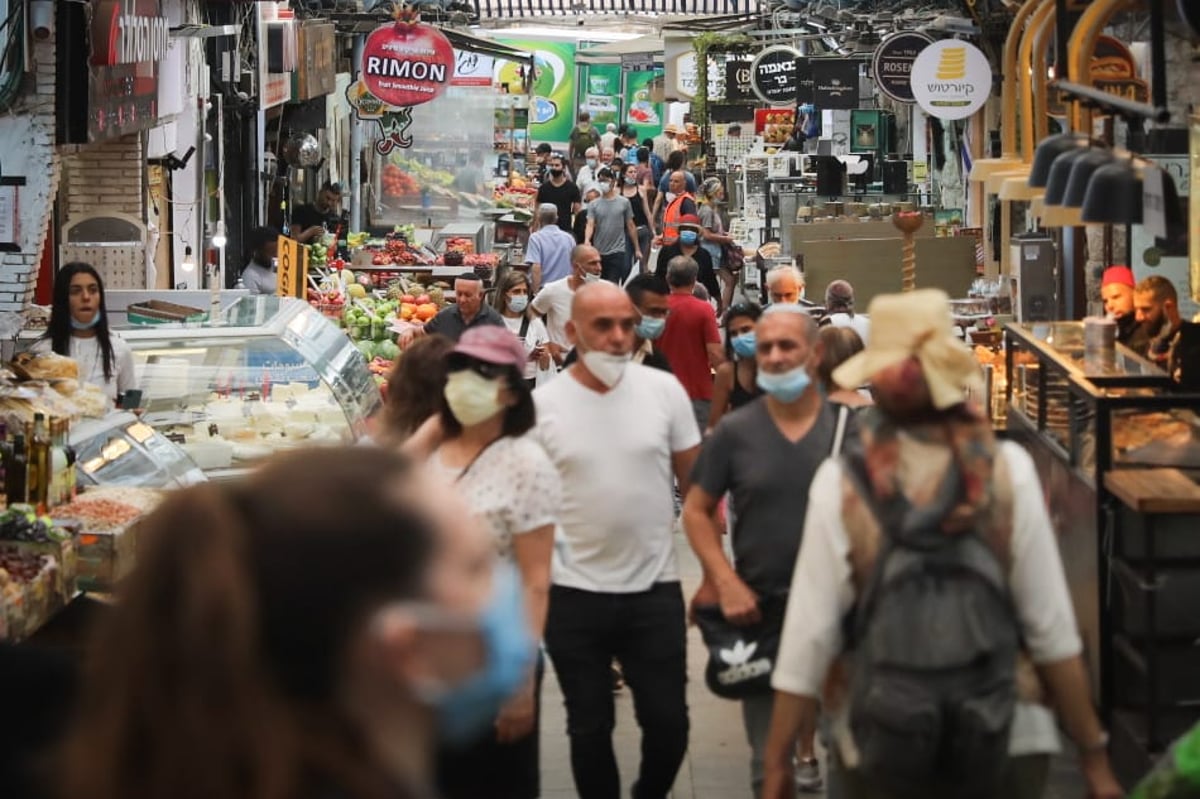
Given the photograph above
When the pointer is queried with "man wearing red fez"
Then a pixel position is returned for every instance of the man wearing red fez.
(1116, 289)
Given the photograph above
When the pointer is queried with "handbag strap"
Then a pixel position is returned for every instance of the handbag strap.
(524, 325)
(839, 431)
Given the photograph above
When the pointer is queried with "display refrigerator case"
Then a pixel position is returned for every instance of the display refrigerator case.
(121, 450)
(270, 374)
(1086, 417)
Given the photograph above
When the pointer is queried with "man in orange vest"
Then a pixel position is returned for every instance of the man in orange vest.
(681, 206)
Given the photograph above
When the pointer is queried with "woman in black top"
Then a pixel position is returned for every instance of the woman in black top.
(689, 245)
(735, 381)
(636, 195)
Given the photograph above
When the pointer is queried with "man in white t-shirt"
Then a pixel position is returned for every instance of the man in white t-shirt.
(839, 310)
(934, 472)
(554, 301)
(618, 432)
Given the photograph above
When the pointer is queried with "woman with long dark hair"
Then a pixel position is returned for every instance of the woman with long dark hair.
(79, 330)
(308, 633)
(734, 384)
(512, 301)
(509, 482)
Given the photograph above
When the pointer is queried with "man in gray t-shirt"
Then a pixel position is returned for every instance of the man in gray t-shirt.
(765, 454)
(610, 221)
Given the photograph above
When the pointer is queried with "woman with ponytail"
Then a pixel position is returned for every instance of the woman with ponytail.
(311, 632)
(79, 330)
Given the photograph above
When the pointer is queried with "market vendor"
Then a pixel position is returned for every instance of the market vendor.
(468, 310)
(259, 275)
(79, 330)
(1156, 306)
(311, 220)
(1116, 289)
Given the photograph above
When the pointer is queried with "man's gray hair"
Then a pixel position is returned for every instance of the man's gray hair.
(777, 273)
(548, 213)
(682, 271)
(811, 328)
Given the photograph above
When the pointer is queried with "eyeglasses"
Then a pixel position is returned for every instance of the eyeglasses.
(490, 371)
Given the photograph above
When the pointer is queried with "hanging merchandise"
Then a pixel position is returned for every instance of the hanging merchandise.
(404, 63)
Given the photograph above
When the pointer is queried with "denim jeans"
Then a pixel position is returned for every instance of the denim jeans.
(645, 632)
(614, 268)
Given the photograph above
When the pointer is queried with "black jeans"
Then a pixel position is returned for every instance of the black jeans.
(646, 633)
(613, 267)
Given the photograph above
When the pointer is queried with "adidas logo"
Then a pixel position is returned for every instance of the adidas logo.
(741, 667)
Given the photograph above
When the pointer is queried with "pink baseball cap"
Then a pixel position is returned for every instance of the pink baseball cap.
(1118, 274)
(492, 344)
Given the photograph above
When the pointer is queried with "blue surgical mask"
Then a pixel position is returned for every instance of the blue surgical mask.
(77, 325)
(650, 327)
(518, 304)
(786, 386)
(468, 709)
(688, 236)
(745, 344)
(591, 162)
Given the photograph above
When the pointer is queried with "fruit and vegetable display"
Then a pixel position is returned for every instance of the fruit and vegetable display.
(25, 526)
(397, 183)
(31, 590)
(514, 196)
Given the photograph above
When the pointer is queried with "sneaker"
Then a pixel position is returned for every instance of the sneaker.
(618, 680)
(808, 775)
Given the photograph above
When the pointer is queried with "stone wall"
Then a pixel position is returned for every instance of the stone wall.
(27, 143)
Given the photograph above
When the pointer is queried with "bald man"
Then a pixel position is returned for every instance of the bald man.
(618, 432)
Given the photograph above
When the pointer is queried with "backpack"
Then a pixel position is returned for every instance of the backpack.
(581, 140)
(935, 640)
(656, 168)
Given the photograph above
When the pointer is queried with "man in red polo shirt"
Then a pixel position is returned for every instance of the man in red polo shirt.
(691, 340)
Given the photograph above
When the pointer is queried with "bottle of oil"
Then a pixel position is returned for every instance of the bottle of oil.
(16, 472)
(58, 463)
(39, 464)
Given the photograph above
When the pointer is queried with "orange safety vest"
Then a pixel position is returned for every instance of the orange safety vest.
(671, 217)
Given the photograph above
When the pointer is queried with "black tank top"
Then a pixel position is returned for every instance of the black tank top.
(740, 396)
(639, 210)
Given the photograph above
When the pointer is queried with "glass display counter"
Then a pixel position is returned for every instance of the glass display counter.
(271, 374)
(121, 450)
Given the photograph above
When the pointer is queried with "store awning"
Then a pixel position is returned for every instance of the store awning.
(612, 52)
(476, 44)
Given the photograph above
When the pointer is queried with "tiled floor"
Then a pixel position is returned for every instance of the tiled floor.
(717, 763)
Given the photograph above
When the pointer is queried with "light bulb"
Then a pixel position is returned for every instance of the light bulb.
(188, 264)
(218, 238)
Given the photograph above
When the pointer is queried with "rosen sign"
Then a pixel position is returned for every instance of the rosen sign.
(893, 62)
(404, 63)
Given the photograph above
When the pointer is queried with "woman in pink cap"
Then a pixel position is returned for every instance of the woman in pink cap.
(509, 482)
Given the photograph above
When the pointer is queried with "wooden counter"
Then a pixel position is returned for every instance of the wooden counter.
(1154, 490)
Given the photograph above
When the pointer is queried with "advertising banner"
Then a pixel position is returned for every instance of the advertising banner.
(640, 109)
(774, 77)
(552, 106)
(602, 93)
(739, 85)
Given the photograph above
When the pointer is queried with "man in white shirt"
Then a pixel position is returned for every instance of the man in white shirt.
(925, 439)
(839, 310)
(609, 137)
(554, 301)
(586, 177)
(618, 432)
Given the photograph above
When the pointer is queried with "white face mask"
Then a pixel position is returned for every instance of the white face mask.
(604, 187)
(590, 277)
(472, 397)
(607, 368)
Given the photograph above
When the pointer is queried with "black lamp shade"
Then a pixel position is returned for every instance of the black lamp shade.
(1051, 148)
(1081, 175)
(1060, 176)
(1114, 195)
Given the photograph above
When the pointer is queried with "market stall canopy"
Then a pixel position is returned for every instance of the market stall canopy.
(614, 52)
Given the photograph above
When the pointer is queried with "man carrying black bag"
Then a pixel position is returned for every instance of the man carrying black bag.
(764, 455)
(928, 588)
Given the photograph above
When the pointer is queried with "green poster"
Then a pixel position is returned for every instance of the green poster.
(552, 106)
(640, 109)
(602, 94)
